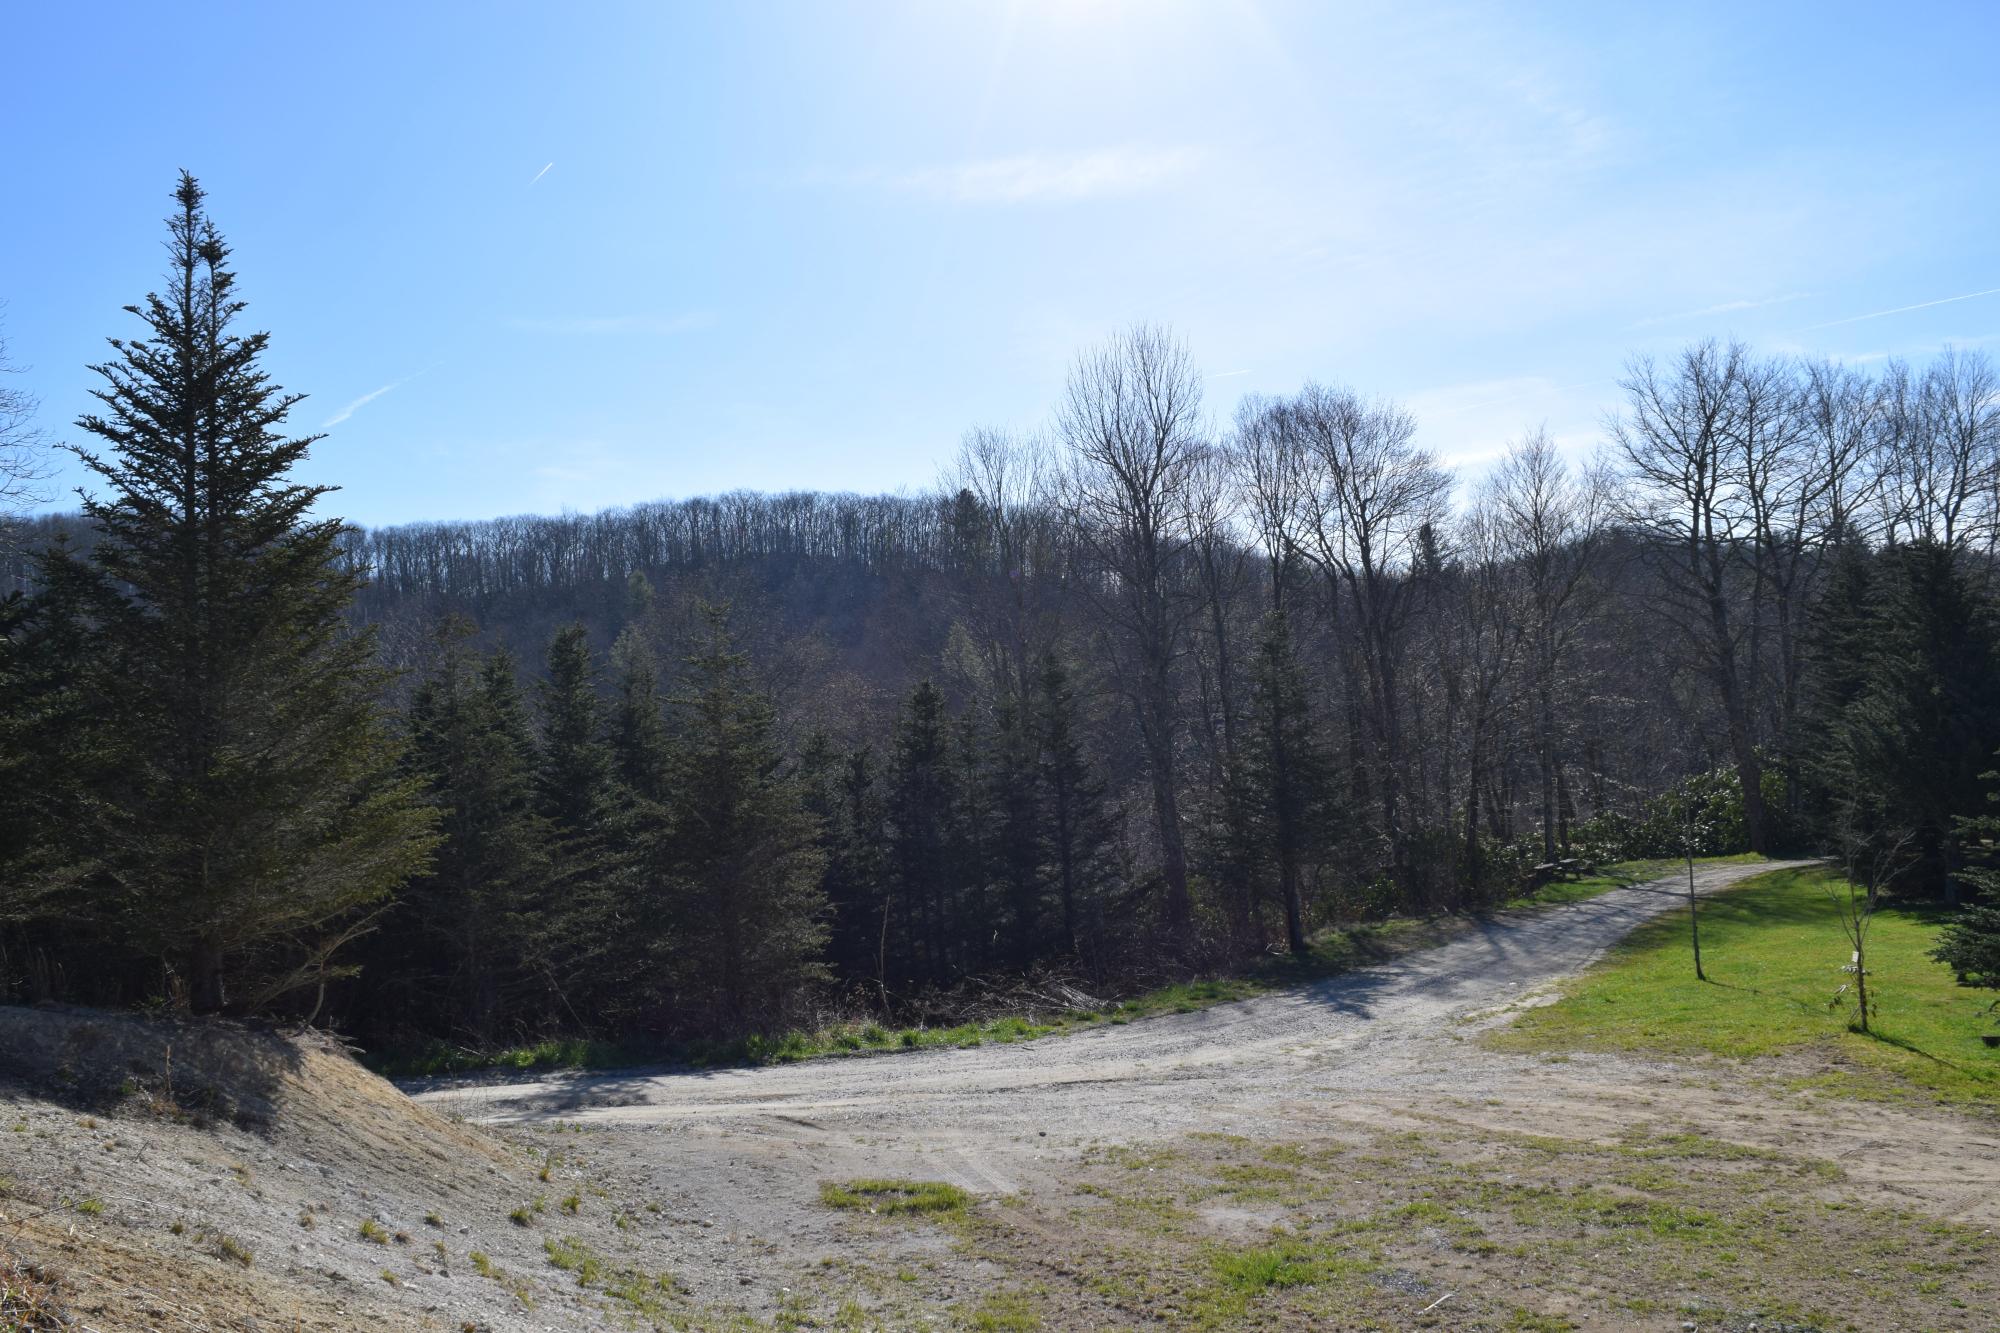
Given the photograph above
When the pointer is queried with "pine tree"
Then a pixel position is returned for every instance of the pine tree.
(974, 889)
(1234, 860)
(1970, 944)
(255, 812)
(638, 730)
(742, 854)
(1012, 837)
(48, 750)
(1287, 773)
(575, 764)
(841, 793)
(1914, 744)
(600, 924)
(18, 836)
(458, 946)
(1081, 837)
(638, 599)
(1841, 640)
(922, 803)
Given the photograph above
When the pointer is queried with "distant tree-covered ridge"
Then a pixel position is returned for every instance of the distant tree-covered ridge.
(1149, 693)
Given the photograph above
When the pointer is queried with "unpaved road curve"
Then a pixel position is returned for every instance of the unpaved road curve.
(742, 1152)
(1370, 1031)
(733, 1159)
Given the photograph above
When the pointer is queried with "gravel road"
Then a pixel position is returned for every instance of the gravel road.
(741, 1152)
(1369, 1031)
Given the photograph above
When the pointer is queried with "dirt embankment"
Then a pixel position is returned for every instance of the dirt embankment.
(165, 1174)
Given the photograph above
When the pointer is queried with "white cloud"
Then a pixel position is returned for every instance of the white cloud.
(589, 326)
(1469, 425)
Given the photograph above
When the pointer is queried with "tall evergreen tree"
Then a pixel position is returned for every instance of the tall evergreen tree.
(1081, 836)
(1286, 770)
(843, 795)
(458, 948)
(639, 750)
(575, 763)
(254, 810)
(1970, 944)
(1914, 744)
(742, 855)
(974, 893)
(923, 801)
(600, 927)
(43, 756)
(1233, 855)
(1011, 836)
(17, 836)
(1842, 638)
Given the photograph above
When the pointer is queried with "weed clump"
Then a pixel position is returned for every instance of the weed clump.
(894, 1197)
(224, 1246)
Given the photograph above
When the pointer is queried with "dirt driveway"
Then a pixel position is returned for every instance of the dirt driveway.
(1372, 1055)
(1389, 1028)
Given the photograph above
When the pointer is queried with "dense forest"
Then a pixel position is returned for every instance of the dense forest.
(1138, 695)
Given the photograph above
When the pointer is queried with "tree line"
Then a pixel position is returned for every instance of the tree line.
(1132, 696)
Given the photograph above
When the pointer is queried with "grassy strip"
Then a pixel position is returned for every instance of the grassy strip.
(1622, 875)
(1335, 950)
(1773, 949)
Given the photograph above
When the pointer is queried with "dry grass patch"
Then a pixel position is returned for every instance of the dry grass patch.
(1524, 1231)
(32, 1296)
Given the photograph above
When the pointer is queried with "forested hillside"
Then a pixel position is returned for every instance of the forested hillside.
(1162, 684)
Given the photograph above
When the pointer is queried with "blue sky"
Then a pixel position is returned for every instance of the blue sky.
(808, 245)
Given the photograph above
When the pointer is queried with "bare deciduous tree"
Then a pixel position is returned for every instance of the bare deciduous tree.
(1131, 421)
(1679, 439)
(1271, 476)
(1370, 503)
(1010, 595)
(1551, 523)
(1841, 410)
(24, 460)
(1220, 557)
(1488, 618)
(1941, 440)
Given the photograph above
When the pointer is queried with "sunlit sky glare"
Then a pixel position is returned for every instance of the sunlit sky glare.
(536, 257)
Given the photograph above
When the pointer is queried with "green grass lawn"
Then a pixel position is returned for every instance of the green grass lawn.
(1773, 949)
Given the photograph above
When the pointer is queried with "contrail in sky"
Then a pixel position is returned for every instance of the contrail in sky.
(367, 398)
(1921, 305)
(355, 406)
(543, 172)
